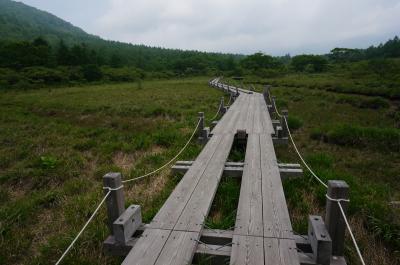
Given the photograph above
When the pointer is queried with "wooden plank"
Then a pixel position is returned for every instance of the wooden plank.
(241, 123)
(247, 250)
(250, 114)
(257, 124)
(249, 219)
(225, 124)
(197, 208)
(147, 248)
(179, 249)
(271, 251)
(280, 252)
(265, 118)
(275, 213)
(168, 215)
(288, 252)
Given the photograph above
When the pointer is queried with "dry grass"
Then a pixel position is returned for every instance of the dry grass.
(373, 250)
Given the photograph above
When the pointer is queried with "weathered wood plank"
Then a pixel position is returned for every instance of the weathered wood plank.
(249, 219)
(247, 250)
(276, 216)
(179, 248)
(148, 247)
(280, 252)
(168, 215)
(198, 206)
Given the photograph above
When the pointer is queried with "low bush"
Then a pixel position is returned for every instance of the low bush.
(370, 103)
(374, 103)
(351, 135)
(294, 123)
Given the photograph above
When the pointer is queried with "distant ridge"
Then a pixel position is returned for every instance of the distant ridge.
(19, 21)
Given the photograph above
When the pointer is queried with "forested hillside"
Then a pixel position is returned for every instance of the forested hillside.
(38, 48)
(22, 22)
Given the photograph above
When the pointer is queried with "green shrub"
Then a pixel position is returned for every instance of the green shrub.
(351, 135)
(123, 74)
(44, 75)
(294, 123)
(92, 72)
(48, 162)
(370, 103)
(374, 103)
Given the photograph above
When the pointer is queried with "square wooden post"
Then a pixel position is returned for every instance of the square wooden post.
(222, 106)
(273, 105)
(337, 189)
(266, 94)
(115, 201)
(283, 124)
(201, 126)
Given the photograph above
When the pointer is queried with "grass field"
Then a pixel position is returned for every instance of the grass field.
(346, 140)
(57, 144)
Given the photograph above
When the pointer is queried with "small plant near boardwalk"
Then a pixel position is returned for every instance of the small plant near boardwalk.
(48, 162)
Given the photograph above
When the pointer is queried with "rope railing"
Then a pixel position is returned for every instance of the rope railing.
(169, 162)
(83, 228)
(325, 185)
(114, 189)
(216, 114)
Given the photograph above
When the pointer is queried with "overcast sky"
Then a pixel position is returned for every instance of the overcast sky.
(239, 26)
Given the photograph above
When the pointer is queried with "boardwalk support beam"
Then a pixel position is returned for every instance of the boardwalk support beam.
(235, 169)
(337, 189)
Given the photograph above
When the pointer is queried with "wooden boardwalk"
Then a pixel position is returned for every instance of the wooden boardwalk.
(262, 232)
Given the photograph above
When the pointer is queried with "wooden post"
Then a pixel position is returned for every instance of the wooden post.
(273, 105)
(115, 201)
(283, 123)
(337, 189)
(201, 117)
(222, 106)
(266, 94)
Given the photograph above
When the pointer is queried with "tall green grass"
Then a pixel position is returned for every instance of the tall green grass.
(384, 139)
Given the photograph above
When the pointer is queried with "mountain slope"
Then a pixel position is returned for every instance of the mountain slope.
(22, 22)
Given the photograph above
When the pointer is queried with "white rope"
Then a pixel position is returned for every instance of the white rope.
(301, 157)
(216, 114)
(169, 162)
(351, 233)
(84, 227)
(336, 200)
(113, 189)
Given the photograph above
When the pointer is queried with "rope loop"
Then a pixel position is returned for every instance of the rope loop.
(113, 189)
(336, 200)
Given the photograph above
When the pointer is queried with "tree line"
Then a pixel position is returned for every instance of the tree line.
(37, 62)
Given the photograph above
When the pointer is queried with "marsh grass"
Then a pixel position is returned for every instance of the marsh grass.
(360, 147)
(57, 144)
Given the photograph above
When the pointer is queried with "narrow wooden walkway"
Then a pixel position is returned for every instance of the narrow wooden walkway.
(263, 231)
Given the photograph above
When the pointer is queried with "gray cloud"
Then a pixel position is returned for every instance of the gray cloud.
(273, 26)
